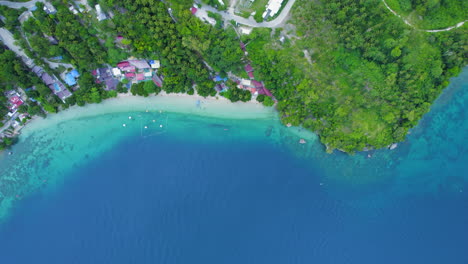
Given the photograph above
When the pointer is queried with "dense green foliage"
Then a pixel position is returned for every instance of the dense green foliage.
(182, 46)
(235, 94)
(371, 77)
(431, 14)
(145, 88)
(14, 74)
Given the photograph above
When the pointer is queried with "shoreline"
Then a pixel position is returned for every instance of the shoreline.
(216, 107)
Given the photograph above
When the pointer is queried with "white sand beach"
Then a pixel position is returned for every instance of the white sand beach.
(218, 107)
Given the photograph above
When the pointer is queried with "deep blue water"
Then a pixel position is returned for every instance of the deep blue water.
(159, 201)
(180, 197)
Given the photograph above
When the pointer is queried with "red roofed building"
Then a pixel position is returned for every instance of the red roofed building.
(257, 84)
(123, 64)
(130, 75)
(267, 92)
(251, 75)
(129, 68)
(242, 45)
(140, 76)
(157, 80)
(16, 101)
(248, 68)
(193, 10)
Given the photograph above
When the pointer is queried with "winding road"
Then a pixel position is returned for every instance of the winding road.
(229, 15)
(426, 30)
(18, 5)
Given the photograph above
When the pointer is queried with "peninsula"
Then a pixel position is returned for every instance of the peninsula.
(359, 73)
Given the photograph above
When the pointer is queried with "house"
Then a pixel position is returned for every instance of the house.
(157, 80)
(49, 8)
(155, 64)
(251, 75)
(71, 77)
(111, 84)
(140, 76)
(218, 78)
(47, 79)
(73, 9)
(64, 94)
(272, 8)
(242, 45)
(100, 15)
(245, 30)
(37, 70)
(60, 90)
(245, 82)
(148, 74)
(140, 64)
(193, 10)
(248, 68)
(116, 72)
(130, 75)
(123, 64)
(257, 84)
(16, 102)
(106, 76)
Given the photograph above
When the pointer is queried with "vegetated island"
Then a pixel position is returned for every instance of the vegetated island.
(349, 70)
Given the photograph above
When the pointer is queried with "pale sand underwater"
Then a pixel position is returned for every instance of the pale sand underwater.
(217, 107)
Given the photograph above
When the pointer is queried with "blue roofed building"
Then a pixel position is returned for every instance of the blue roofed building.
(70, 78)
(218, 78)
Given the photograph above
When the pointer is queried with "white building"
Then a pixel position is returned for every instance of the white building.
(100, 15)
(116, 72)
(272, 9)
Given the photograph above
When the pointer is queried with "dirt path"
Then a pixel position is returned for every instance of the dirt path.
(425, 30)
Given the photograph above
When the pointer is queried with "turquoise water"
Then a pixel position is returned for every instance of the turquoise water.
(207, 190)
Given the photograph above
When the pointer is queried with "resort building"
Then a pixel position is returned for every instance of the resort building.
(106, 77)
(133, 70)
